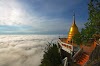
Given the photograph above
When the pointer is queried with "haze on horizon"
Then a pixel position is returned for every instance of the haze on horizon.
(41, 16)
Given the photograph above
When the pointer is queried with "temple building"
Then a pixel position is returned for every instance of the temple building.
(71, 52)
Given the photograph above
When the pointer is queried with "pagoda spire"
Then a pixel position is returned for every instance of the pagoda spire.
(73, 30)
(73, 18)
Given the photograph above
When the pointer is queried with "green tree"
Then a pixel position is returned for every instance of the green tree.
(51, 56)
(92, 26)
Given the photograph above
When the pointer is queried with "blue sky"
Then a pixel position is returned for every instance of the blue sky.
(41, 16)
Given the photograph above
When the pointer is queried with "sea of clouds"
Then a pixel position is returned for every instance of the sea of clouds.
(23, 50)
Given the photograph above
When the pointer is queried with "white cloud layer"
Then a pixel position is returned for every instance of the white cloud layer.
(21, 50)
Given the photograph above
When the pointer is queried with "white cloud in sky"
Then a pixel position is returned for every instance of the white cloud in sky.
(9, 12)
(13, 13)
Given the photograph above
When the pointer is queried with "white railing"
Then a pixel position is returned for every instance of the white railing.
(65, 61)
(66, 47)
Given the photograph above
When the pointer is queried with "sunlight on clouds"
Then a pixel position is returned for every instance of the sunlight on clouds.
(23, 13)
(12, 13)
(9, 12)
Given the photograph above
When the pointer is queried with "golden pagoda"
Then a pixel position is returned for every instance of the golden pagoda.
(73, 30)
(70, 50)
(68, 42)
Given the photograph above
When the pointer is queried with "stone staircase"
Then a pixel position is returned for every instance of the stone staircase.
(81, 57)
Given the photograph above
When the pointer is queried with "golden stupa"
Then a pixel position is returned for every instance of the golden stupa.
(73, 30)
(68, 48)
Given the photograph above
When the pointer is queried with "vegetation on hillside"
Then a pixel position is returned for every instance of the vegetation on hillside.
(51, 56)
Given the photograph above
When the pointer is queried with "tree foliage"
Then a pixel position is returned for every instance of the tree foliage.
(92, 26)
(93, 23)
(51, 56)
